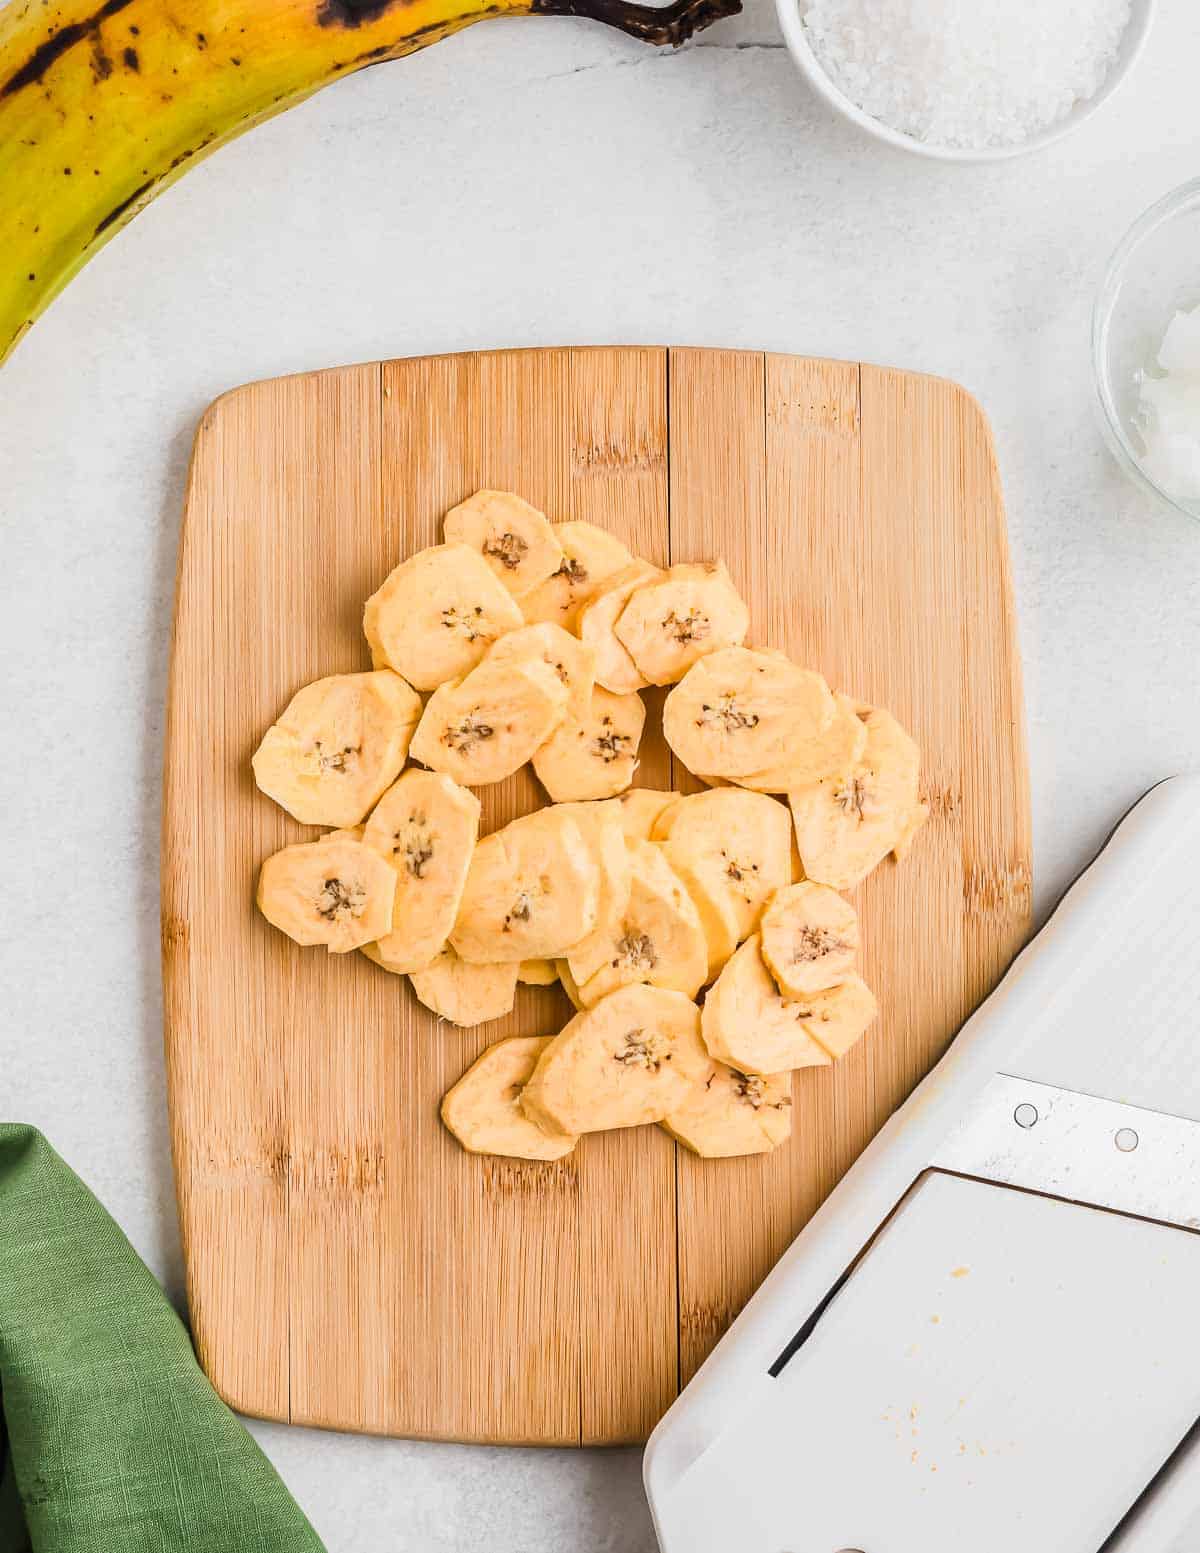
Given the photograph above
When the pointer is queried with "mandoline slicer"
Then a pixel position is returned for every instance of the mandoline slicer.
(988, 1338)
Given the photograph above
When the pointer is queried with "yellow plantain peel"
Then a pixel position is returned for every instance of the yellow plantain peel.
(102, 105)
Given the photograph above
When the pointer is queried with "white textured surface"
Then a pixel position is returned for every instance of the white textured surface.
(534, 182)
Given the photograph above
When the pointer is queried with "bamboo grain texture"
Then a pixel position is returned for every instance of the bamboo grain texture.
(349, 1266)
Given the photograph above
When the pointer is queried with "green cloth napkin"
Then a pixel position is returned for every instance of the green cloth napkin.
(115, 1443)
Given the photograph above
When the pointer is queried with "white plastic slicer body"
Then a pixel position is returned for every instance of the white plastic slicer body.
(987, 1336)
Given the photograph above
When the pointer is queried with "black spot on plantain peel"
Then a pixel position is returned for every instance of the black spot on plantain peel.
(351, 13)
(115, 214)
(58, 44)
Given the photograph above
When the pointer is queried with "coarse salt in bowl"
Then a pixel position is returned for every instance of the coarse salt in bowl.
(966, 80)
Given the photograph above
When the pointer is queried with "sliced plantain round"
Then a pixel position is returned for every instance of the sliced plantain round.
(734, 1114)
(659, 938)
(912, 828)
(537, 973)
(615, 669)
(426, 827)
(836, 1019)
(847, 823)
(668, 625)
(515, 539)
(568, 984)
(337, 745)
(748, 1024)
(640, 808)
(596, 755)
(532, 891)
(482, 728)
(812, 760)
(436, 614)
(743, 710)
(463, 993)
(590, 557)
(334, 891)
(810, 939)
(600, 826)
(572, 661)
(483, 1110)
(733, 850)
(632, 1059)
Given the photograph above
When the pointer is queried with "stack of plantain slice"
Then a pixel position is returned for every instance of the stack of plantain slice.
(531, 641)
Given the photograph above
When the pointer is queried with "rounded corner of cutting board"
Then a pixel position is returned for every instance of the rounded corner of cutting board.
(357, 1270)
(224, 403)
(241, 1393)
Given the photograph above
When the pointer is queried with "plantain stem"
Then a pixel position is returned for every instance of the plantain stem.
(672, 24)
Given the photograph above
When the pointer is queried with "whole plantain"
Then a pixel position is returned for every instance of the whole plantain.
(105, 102)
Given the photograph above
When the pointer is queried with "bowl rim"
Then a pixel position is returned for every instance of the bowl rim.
(1155, 216)
(791, 22)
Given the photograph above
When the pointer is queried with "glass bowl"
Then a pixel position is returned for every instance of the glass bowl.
(1154, 273)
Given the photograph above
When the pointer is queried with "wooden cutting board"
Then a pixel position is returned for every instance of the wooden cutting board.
(348, 1264)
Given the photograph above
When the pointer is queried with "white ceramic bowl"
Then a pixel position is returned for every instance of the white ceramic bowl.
(791, 20)
(1152, 275)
